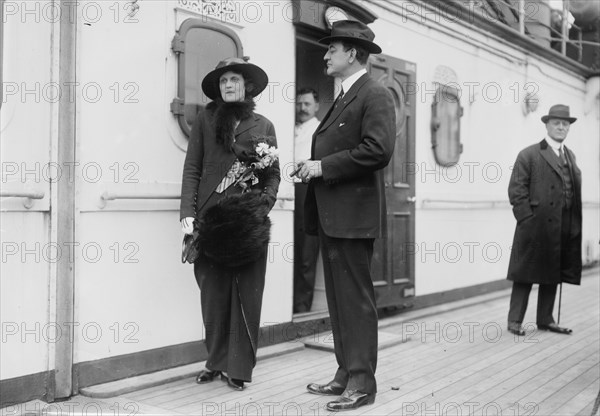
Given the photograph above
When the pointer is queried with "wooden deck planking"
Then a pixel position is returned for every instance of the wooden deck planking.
(588, 395)
(274, 382)
(430, 391)
(484, 387)
(282, 362)
(193, 393)
(529, 364)
(559, 374)
(266, 378)
(558, 396)
(476, 375)
(519, 375)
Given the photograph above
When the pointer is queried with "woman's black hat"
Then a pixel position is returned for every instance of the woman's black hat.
(258, 77)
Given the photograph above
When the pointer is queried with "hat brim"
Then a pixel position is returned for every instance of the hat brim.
(259, 78)
(371, 47)
(569, 119)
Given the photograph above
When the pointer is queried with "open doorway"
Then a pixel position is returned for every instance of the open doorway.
(309, 287)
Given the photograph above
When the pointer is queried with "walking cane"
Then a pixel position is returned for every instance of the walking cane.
(559, 302)
(596, 405)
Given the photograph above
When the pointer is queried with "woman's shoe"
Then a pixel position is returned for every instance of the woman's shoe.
(235, 384)
(206, 376)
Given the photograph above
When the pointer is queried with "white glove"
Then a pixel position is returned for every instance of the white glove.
(187, 225)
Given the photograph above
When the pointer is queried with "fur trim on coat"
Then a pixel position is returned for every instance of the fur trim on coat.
(226, 115)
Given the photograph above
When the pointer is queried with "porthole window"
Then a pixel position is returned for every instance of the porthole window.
(200, 45)
(445, 125)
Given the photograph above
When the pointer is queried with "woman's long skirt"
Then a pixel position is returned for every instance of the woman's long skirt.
(231, 301)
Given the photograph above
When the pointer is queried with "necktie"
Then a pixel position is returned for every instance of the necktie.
(561, 154)
(339, 97)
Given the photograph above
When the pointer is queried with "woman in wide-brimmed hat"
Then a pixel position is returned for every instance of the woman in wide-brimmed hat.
(233, 228)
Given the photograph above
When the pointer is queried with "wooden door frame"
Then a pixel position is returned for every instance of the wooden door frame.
(64, 212)
(408, 70)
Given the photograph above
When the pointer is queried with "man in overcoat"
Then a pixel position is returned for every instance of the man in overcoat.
(345, 206)
(545, 192)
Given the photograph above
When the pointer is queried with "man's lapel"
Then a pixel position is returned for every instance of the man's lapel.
(570, 158)
(348, 97)
(548, 154)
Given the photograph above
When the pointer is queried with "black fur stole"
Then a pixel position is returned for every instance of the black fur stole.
(226, 114)
(235, 230)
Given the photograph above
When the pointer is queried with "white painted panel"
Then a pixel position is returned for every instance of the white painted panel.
(27, 330)
(26, 286)
(277, 298)
(28, 95)
(132, 291)
(127, 146)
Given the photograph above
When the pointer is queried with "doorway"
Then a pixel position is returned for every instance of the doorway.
(309, 286)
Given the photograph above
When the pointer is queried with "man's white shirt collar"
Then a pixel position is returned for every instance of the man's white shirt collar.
(555, 145)
(308, 123)
(349, 82)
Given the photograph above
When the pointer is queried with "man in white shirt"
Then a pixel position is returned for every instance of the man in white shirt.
(545, 192)
(306, 246)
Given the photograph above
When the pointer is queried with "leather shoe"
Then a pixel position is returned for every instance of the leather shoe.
(206, 376)
(515, 328)
(555, 328)
(234, 383)
(330, 389)
(351, 399)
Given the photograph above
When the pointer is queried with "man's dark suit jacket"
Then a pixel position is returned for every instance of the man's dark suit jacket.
(354, 142)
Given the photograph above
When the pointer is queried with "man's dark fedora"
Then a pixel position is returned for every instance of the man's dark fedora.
(352, 32)
(210, 83)
(559, 111)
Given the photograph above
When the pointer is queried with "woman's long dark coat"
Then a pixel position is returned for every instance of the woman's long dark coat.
(231, 297)
(536, 194)
(207, 162)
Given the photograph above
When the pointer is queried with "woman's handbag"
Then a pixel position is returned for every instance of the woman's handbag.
(190, 250)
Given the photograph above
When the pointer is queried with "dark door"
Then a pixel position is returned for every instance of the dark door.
(393, 260)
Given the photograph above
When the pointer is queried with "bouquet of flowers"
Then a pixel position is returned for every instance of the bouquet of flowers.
(265, 154)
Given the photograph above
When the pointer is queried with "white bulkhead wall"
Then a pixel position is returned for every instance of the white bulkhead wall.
(137, 295)
(29, 104)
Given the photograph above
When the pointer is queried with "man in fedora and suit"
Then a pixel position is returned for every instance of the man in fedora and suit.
(545, 192)
(345, 206)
